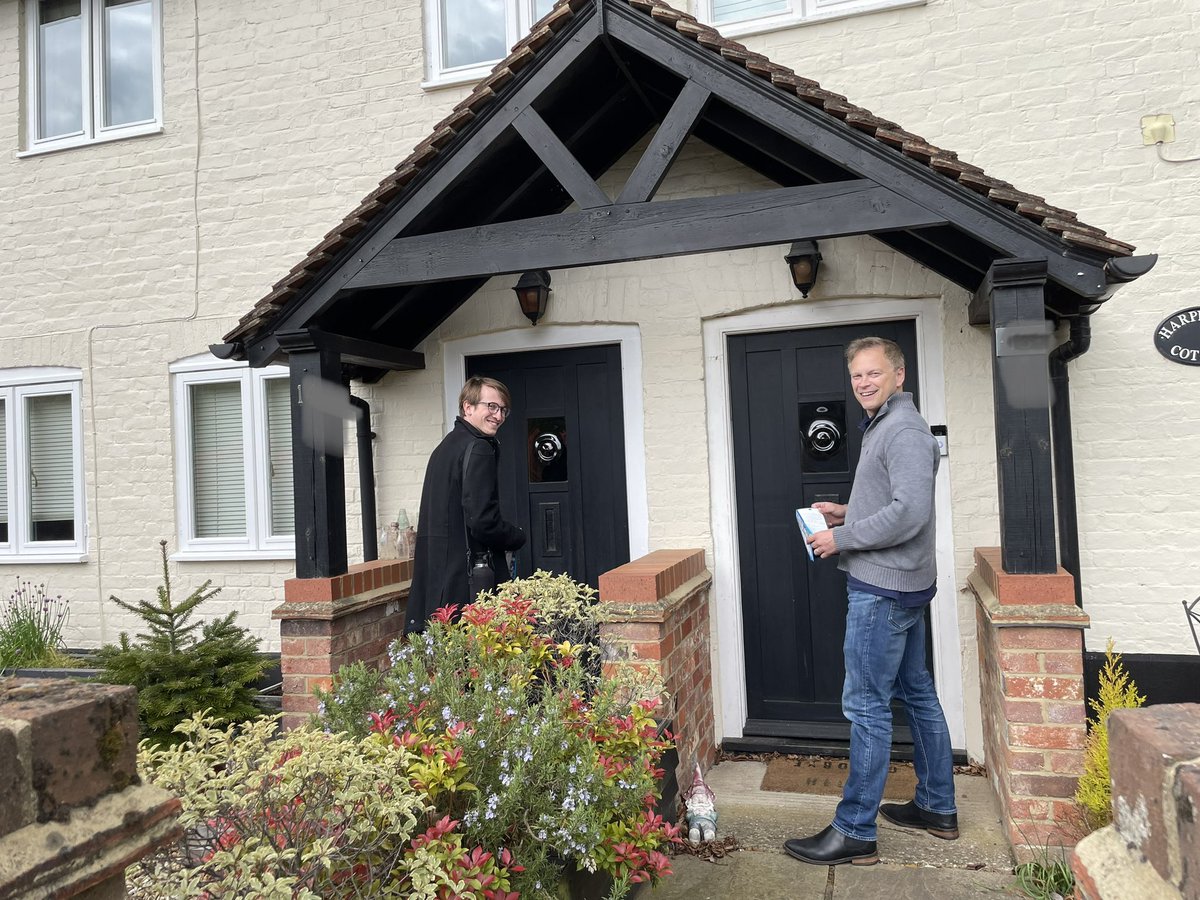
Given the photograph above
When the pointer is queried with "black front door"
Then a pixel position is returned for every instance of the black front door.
(796, 441)
(562, 458)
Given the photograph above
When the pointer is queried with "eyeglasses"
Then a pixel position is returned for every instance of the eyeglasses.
(495, 409)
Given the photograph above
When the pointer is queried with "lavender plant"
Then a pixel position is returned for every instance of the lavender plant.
(31, 627)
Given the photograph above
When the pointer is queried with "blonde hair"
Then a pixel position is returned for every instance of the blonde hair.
(473, 389)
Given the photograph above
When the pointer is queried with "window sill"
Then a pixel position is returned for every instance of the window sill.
(74, 142)
(230, 555)
(40, 559)
(458, 79)
(783, 21)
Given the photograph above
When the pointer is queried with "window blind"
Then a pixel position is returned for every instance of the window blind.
(279, 456)
(51, 468)
(742, 10)
(3, 472)
(218, 461)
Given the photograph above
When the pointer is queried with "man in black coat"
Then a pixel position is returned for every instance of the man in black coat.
(460, 505)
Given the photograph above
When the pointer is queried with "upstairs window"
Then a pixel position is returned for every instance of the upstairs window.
(233, 460)
(465, 38)
(41, 466)
(93, 70)
(738, 17)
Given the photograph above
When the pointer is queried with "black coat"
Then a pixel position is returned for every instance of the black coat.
(454, 498)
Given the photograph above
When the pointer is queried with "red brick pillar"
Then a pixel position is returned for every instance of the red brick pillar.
(1031, 685)
(327, 623)
(655, 617)
(72, 813)
(1152, 848)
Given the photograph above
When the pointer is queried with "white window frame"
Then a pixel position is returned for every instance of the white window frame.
(92, 64)
(16, 387)
(519, 17)
(258, 542)
(800, 12)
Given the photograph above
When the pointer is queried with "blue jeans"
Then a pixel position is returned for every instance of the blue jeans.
(885, 658)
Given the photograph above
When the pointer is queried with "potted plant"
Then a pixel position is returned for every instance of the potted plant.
(32, 622)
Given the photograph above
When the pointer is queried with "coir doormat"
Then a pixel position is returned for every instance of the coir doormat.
(818, 775)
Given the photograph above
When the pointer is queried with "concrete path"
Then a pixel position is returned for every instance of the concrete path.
(913, 864)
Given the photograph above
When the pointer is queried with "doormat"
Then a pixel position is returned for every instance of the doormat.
(819, 775)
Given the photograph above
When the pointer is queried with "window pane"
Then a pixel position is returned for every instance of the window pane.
(60, 68)
(51, 468)
(128, 62)
(472, 32)
(218, 470)
(3, 473)
(542, 8)
(741, 10)
(279, 456)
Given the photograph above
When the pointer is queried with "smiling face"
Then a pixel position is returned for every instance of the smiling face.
(874, 378)
(489, 413)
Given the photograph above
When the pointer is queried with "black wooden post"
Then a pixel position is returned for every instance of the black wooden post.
(318, 465)
(1021, 336)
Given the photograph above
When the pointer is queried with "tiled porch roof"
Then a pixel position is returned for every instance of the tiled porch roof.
(1062, 223)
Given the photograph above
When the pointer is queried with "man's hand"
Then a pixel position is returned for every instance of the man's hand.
(834, 513)
(823, 543)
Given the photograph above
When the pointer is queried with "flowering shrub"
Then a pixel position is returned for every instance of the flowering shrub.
(540, 763)
(31, 626)
(305, 815)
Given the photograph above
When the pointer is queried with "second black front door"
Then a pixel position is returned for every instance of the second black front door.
(796, 441)
(562, 457)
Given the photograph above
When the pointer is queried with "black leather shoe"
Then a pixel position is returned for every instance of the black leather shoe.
(832, 848)
(909, 815)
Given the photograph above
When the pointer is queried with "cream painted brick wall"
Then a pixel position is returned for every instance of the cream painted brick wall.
(122, 257)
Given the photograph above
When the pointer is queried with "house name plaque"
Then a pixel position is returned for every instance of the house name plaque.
(1178, 336)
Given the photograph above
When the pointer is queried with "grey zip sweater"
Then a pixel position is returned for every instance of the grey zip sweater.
(888, 538)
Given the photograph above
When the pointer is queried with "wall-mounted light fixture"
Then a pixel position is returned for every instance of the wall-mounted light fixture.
(533, 290)
(803, 261)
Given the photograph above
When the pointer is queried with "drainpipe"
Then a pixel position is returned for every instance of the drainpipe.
(1077, 343)
(366, 476)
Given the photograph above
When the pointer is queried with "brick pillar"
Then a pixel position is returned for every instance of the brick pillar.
(1152, 849)
(72, 814)
(1031, 685)
(655, 617)
(327, 623)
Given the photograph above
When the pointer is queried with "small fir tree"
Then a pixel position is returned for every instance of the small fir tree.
(178, 672)
(1117, 691)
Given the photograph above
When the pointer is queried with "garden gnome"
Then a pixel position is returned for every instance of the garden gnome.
(701, 810)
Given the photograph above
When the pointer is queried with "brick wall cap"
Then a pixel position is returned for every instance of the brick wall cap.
(1057, 588)
(1050, 615)
(331, 610)
(659, 610)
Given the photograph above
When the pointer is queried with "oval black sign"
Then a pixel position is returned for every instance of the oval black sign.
(1178, 336)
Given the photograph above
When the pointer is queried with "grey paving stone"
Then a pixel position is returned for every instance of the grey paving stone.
(921, 883)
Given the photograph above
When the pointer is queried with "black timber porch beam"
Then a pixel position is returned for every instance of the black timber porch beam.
(861, 154)
(634, 231)
(318, 465)
(560, 161)
(664, 147)
(356, 351)
(579, 36)
(1021, 339)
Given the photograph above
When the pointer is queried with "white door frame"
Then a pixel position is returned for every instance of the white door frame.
(547, 337)
(730, 704)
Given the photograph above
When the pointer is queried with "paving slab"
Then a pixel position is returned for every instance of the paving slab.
(921, 883)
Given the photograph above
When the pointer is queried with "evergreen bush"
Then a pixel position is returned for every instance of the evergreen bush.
(178, 672)
(1117, 691)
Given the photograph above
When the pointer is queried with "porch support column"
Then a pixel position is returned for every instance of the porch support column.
(1015, 293)
(318, 464)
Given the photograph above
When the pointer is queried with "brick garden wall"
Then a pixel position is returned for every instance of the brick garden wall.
(327, 623)
(1031, 686)
(655, 618)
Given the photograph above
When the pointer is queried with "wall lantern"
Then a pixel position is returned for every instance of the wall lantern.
(804, 260)
(533, 290)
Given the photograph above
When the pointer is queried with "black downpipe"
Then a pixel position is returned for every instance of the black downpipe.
(366, 476)
(1077, 343)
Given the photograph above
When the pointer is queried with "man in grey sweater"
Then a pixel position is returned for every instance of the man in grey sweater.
(885, 536)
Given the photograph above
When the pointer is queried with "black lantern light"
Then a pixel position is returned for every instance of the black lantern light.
(533, 290)
(803, 260)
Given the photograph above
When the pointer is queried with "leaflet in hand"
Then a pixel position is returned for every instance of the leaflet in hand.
(810, 521)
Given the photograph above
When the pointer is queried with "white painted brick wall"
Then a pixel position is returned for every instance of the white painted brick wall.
(121, 257)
